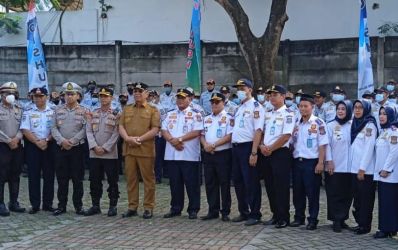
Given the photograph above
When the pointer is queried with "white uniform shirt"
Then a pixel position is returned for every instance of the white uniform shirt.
(277, 123)
(179, 123)
(320, 112)
(308, 137)
(216, 127)
(329, 111)
(387, 155)
(362, 150)
(338, 149)
(248, 118)
(168, 101)
(38, 122)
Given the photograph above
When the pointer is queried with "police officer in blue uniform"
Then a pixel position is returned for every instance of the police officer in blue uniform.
(246, 137)
(36, 127)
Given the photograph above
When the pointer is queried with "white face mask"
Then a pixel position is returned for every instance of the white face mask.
(260, 98)
(10, 99)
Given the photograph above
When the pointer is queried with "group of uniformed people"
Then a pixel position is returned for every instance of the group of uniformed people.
(280, 138)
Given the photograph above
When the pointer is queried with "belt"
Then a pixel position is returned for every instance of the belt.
(235, 144)
(305, 159)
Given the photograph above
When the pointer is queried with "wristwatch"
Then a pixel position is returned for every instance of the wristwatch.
(254, 153)
(180, 139)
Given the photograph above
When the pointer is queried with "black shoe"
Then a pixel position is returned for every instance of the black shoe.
(59, 211)
(225, 218)
(381, 235)
(281, 224)
(354, 229)
(252, 222)
(34, 210)
(48, 209)
(209, 217)
(311, 226)
(344, 225)
(92, 211)
(297, 223)
(130, 213)
(362, 230)
(80, 211)
(147, 214)
(269, 222)
(112, 211)
(14, 207)
(171, 214)
(192, 215)
(336, 226)
(240, 218)
(3, 210)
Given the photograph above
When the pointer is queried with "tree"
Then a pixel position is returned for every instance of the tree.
(260, 53)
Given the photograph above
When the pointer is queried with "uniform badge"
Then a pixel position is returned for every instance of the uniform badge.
(256, 114)
(289, 119)
(313, 126)
(232, 122)
(199, 118)
(189, 113)
(170, 126)
(322, 130)
(368, 132)
(208, 120)
(393, 139)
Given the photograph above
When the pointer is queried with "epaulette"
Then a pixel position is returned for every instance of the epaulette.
(289, 110)
(318, 121)
(256, 104)
(170, 110)
(232, 115)
(195, 110)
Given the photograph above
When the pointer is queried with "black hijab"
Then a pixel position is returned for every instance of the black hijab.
(390, 117)
(348, 116)
(359, 123)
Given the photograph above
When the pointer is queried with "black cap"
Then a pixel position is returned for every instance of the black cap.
(167, 83)
(217, 97)
(338, 90)
(225, 89)
(277, 89)
(368, 94)
(244, 82)
(92, 82)
(39, 91)
(299, 92)
(183, 92)
(106, 91)
(260, 90)
(211, 81)
(307, 97)
(392, 95)
(130, 84)
(319, 94)
(382, 89)
(154, 93)
(140, 85)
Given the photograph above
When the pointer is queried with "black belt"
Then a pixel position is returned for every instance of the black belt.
(305, 159)
(235, 144)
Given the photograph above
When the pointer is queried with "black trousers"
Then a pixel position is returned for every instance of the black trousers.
(217, 171)
(40, 164)
(339, 196)
(184, 173)
(69, 165)
(276, 170)
(364, 199)
(246, 181)
(10, 169)
(97, 169)
(306, 185)
(388, 207)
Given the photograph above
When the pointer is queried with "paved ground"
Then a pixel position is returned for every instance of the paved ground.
(44, 231)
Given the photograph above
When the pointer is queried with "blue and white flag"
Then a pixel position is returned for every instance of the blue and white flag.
(37, 69)
(365, 73)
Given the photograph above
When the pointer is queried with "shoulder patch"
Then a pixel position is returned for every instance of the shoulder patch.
(394, 139)
(289, 110)
(171, 110)
(195, 110)
(256, 104)
(318, 121)
(369, 132)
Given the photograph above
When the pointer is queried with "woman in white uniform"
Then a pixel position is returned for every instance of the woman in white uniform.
(338, 176)
(362, 153)
(386, 173)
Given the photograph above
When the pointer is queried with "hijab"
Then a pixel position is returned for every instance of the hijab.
(390, 117)
(348, 116)
(359, 123)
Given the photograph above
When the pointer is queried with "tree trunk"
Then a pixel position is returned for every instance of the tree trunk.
(260, 53)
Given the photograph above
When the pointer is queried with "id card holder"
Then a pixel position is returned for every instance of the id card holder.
(272, 131)
(241, 123)
(185, 129)
(309, 143)
(219, 133)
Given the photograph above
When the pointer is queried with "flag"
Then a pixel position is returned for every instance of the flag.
(365, 73)
(194, 65)
(37, 69)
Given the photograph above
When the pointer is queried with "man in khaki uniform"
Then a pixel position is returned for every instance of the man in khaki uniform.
(69, 131)
(102, 135)
(10, 147)
(139, 124)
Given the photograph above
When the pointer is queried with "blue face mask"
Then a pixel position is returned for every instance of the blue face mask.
(337, 97)
(241, 95)
(288, 103)
(390, 87)
(379, 97)
(298, 98)
(236, 101)
(167, 90)
(94, 101)
(260, 98)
